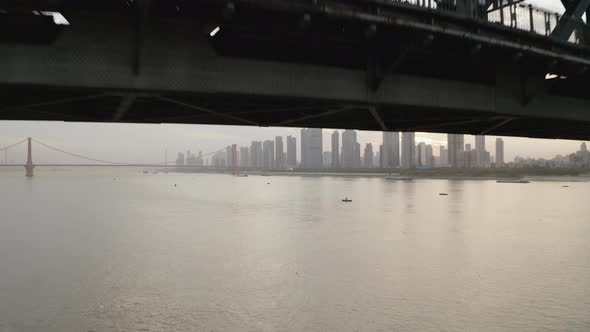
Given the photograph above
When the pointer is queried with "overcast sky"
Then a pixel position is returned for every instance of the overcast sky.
(147, 143)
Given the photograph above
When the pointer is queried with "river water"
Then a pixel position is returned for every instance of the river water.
(117, 250)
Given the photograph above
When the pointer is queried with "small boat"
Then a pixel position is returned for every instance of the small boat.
(513, 181)
(398, 178)
(443, 194)
(565, 186)
(145, 172)
(347, 200)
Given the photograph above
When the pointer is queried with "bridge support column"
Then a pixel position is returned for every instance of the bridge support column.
(29, 166)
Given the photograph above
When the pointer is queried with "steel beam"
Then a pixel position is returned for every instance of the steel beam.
(375, 114)
(206, 110)
(311, 116)
(570, 19)
(496, 126)
(124, 107)
(53, 102)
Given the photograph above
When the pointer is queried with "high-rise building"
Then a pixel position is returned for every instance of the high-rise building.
(335, 149)
(280, 162)
(180, 159)
(455, 144)
(291, 151)
(199, 161)
(583, 147)
(218, 159)
(368, 157)
(327, 159)
(357, 155)
(244, 156)
(480, 148)
(390, 154)
(499, 152)
(228, 156)
(377, 157)
(443, 156)
(429, 156)
(468, 147)
(425, 157)
(256, 157)
(421, 153)
(469, 158)
(268, 151)
(311, 148)
(408, 150)
(348, 157)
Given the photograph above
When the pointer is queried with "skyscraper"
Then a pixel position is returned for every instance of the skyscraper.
(499, 152)
(408, 150)
(429, 156)
(455, 143)
(256, 154)
(390, 154)
(357, 155)
(335, 149)
(280, 162)
(368, 157)
(291, 151)
(218, 159)
(311, 148)
(228, 156)
(268, 151)
(327, 159)
(244, 156)
(421, 153)
(480, 148)
(583, 147)
(348, 157)
(443, 156)
(180, 159)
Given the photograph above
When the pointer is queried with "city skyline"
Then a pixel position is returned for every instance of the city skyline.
(148, 143)
(413, 155)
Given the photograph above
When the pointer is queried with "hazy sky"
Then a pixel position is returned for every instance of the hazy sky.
(147, 143)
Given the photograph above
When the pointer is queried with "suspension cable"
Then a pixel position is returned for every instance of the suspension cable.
(13, 145)
(104, 161)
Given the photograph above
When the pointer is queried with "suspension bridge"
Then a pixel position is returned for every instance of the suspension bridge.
(29, 165)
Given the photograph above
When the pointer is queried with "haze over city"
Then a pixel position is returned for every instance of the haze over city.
(146, 143)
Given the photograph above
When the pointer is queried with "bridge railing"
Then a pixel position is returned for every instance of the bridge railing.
(513, 14)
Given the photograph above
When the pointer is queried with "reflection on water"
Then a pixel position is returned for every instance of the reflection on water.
(88, 250)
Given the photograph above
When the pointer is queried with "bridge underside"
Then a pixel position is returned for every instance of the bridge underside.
(296, 66)
(79, 105)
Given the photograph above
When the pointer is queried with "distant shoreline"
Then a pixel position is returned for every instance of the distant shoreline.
(442, 174)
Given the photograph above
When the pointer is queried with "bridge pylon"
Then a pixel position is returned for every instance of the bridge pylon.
(29, 165)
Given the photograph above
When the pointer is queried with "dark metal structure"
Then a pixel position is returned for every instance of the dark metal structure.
(464, 66)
